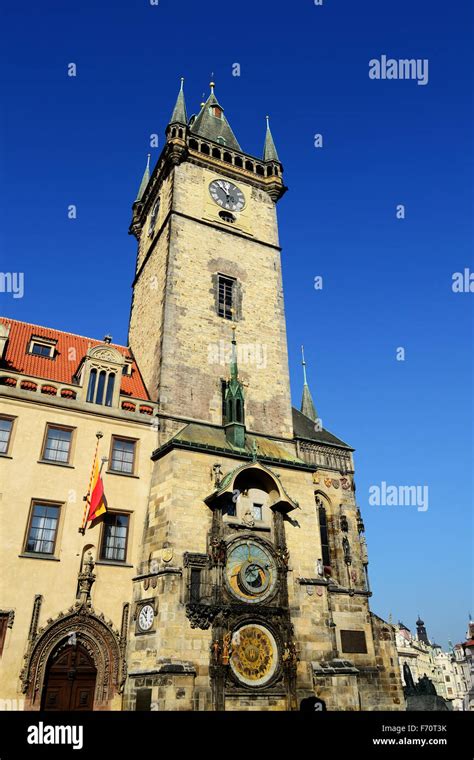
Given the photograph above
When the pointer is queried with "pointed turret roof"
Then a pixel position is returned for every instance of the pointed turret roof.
(145, 180)
(179, 111)
(269, 150)
(211, 126)
(307, 405)
(234, 386)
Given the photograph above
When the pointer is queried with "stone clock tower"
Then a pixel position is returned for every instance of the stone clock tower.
(252, 592)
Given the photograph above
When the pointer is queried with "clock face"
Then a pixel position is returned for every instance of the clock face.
(146, 617)
(251, 572)
(254, 658)
(227, 195)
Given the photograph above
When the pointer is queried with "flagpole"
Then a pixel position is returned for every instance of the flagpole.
(82, 529)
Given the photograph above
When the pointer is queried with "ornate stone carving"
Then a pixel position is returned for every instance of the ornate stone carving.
(86, 579)
(95, 634)
(11, 617)
(201, 615)
(35, 616)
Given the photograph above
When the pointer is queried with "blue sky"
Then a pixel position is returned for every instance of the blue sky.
(387, 282)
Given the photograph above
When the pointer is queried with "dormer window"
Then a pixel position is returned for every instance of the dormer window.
(103, 369)
(101, 387)
(127, 368)
(42, 347)
(216, 111)
(220, 140)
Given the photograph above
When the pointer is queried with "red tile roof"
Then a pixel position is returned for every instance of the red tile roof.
(60, 369)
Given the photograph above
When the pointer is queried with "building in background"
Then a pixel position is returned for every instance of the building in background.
(230, 569)
(448, 671)
(468, 652)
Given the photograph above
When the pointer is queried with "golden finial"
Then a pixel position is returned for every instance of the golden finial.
(212, 84)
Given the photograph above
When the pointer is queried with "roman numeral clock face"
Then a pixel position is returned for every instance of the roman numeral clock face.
(146, 617)
(227, 195)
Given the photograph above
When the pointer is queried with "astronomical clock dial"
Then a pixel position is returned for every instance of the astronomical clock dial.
(250, 572)
(146, 617)
(227, 195)
(254, 655)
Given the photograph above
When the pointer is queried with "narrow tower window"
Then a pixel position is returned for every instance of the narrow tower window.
(323, 530)
(226, 286)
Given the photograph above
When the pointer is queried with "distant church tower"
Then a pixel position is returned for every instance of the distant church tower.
(252, 592)
(421, 631)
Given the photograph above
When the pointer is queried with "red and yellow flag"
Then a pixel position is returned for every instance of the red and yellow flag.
(97, 500)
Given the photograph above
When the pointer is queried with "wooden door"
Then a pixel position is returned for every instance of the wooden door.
(70, 680)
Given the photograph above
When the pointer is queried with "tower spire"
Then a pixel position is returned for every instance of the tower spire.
(234, 402)
(179, 112)
(145, 180)
(269, 150)
(307, 404)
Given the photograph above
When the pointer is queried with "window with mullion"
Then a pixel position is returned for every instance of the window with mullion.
(57, 446)
(123, 455)
(43, 529)
(114, 537)
(225, 297)
(6, 427)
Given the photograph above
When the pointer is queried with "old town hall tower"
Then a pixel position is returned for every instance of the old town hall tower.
(252, 591)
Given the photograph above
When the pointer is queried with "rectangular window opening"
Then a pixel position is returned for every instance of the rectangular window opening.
(43, 528)
(226, 306)
(57, 446)
(114, 537)
(123, 455)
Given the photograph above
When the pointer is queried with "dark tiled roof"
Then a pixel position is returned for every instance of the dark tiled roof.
(199, 436)
(304, 428)
(211, 127)
(60, 369)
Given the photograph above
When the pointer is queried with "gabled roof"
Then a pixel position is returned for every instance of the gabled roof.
(304, 427)
(212, 127)
(61, 368)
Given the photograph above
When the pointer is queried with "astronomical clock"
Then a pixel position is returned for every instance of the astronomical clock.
(243, 597)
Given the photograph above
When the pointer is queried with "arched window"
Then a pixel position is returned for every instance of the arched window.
(110, 389)
(100, 387)
(205, 149)
(194, 144)
(249, 166)
(238, 162)
(323, 531)
(91, 387)
(216, 153)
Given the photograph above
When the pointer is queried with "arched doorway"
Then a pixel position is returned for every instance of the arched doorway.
(70, 679)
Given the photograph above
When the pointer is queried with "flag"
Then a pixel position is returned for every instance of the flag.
(97, 500)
